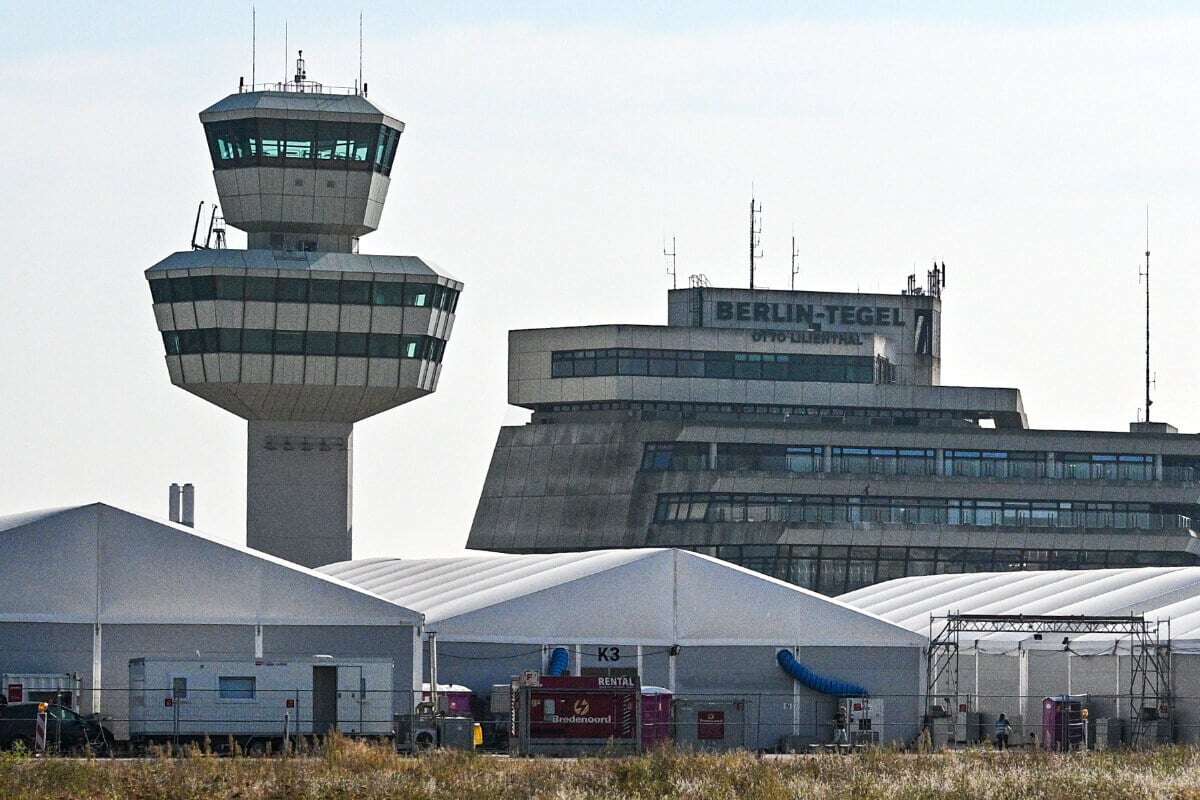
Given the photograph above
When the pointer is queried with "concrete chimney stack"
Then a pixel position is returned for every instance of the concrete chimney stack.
(173, 503)
(188, 515)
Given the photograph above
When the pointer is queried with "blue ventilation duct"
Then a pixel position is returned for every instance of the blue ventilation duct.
(560, 662)
(818, 683)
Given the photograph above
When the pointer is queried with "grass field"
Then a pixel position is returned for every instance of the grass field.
(353, 770)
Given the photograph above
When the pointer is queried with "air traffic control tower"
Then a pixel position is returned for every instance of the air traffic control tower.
(300, 334)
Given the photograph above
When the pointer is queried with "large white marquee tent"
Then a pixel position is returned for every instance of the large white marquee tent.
(688, 622)
(1167, 594)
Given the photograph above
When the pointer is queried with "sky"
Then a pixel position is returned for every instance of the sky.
(550, 151)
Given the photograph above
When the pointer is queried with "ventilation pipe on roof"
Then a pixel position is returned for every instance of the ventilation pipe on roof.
(173, 503)
(187, 514)
(818, 683)
(560, 662)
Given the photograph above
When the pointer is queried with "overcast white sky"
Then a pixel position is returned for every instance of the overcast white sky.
(548, 152)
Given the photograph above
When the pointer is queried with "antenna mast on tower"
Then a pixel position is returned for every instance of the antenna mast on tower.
(755, 234)
(671, 269)
(795, 253)
(1146, 273)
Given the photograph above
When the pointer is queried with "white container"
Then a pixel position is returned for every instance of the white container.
(250, 698)
(39, 687)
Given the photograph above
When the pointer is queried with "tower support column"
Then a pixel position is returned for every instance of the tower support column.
(298, 497)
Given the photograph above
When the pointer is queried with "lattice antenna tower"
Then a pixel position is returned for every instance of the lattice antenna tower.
(1145, 272)
(795, 255)
(755, 234)
(670, 255)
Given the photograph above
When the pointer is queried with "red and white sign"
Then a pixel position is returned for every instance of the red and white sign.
(39, 732)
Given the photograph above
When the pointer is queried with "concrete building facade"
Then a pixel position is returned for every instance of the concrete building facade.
(807, 436)
(300, 334)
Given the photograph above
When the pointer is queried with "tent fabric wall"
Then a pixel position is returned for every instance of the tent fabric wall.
(498, 615)
(85, 589)
(1160, 593)
(651, 596)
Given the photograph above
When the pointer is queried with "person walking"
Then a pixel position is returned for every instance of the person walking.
(1003, 728)
(839, 727)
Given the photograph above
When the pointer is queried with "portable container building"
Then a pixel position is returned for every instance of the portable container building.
(259, 698)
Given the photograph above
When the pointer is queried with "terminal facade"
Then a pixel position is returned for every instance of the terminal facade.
(807, 435)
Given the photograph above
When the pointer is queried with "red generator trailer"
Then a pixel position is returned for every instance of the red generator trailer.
(568, 716)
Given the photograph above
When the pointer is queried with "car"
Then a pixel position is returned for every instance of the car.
(66, 731)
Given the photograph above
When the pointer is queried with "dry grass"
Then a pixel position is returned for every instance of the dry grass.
(346, 769)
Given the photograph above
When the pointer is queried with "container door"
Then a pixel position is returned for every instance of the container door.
(325, 690)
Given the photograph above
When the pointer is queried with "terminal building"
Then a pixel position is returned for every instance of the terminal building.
(807, 435)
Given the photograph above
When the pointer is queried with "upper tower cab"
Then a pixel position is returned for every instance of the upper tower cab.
(300, 168)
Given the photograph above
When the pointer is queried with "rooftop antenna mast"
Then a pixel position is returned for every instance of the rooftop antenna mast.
(285, 54)
(755, 234)
(253, 44)
(360, 54)
(795, 253)
(671, 269)
(1146, 273)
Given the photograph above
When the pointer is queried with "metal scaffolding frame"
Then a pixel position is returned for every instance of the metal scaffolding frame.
(1149, 653)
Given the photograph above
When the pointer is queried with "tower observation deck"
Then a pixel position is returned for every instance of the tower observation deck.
(300, 334)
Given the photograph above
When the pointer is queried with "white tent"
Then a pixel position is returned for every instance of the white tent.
(638, 596)
(1160, 593)
(84, 590)
(98, 564)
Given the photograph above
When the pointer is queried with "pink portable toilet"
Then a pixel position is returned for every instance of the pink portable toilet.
(455, 700)
(656, 716)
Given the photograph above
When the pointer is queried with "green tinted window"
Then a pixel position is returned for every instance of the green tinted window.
(352, 344)
(356, 292)
(191, 342)
(410, 346)
(230, 340)
(181, 290)
(323, 291)
(292, 290)
(160, 290)
(320, 343)
(418, 294)
(204, 287)
(260, 288)
(332, 142)
(360, 144)
(301, 139)
(256, 341)
(230, 287)
(289, 342)
(388, 293)
(272, 133)
(385, 345)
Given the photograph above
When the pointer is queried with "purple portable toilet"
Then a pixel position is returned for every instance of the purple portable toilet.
(656, 716)
(455, 700)
(1062, 723)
